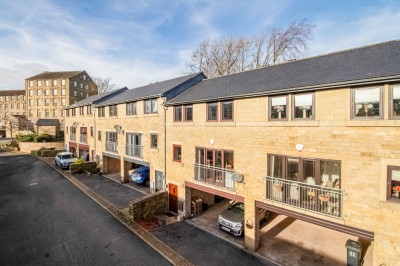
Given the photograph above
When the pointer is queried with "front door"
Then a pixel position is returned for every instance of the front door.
(173, 198)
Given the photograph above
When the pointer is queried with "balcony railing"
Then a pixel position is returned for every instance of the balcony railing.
(83, 138)
(111, 146)
(319, 199)
(134, 150)
(72, 136)
(215, 176)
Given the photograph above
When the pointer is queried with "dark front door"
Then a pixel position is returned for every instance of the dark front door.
(173, 198)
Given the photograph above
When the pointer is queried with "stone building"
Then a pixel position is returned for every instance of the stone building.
(12, 102)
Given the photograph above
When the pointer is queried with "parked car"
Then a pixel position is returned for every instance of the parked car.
(232, 219)
(64, 159)
(141, 176)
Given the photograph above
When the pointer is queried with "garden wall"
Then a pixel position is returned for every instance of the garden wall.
(152, 204)
(31, 146)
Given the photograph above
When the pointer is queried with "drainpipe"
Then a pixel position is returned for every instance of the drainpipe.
(165, 142)
(94, 131)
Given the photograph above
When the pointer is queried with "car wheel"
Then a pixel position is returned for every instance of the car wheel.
(55, 162)
(147, 184)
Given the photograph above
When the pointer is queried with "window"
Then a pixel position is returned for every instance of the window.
(31, 83)
(394, 111)
(63, 102)
(30, 92)
(177, 113)
(89, 109)
(47, 82)
(55, 113)
(55, 101)
(99, 135)
(63, 82)
(91, 131)
(75, 93)
(134, 145)
(303, 106)
(212, 112)
(277, 108)
(30, 112)
(67, 113)
(313, 171)
(111, 141)
(393, 183)
(188, 113)
(84, 77)
(112, 110)
(81, 85)
(12, 105)
(47, 92)
(63, 92)
(150, 106)
(46, 102)
(55, 92)
(227, 111)
(39, 113)
(177, 149)
(39, 83)
(39, 93)
(81, 110)
(39, 102)
(153, 139)
(55, 82)
(366, 103)
(131, 108)
(101, 111)
(75, 83)
(73, 112)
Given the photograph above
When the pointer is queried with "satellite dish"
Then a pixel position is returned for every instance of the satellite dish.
(238, 177)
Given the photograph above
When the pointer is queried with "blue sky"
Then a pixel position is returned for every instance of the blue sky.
(139, 42)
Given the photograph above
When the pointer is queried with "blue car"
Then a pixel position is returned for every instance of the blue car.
(141, 176)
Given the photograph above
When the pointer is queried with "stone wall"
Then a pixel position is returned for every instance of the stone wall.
(49, 153)
(31, 146)
(90, 167)
(156, 203)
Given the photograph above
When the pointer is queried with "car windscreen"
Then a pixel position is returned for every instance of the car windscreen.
(239, 207)
(68, 156)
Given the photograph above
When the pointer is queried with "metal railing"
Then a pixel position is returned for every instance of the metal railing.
(83, 138)
(220, 177)
(319, 199)
(111, 146)
(134, 150)
(72, 136)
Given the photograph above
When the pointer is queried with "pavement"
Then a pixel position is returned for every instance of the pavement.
(181, 243)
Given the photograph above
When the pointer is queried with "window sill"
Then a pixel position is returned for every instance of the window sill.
(372, 123)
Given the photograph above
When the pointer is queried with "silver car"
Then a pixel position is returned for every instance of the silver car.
(232, 219)
(64, 159)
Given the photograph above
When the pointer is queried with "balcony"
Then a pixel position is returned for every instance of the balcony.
(111, 146)
(220, 177)
(72, 136)
(134, 150)
(323, 200)
(83, 138)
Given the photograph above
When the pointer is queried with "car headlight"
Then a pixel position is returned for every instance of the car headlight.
(237, 225)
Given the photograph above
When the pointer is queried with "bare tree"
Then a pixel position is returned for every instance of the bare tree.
(231, 55)
(104, 84)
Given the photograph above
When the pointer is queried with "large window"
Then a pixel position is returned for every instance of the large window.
(150, 106)
(177, 113)
(101, 111)
(183, 113)
(393, 183)
(394, 111)
(277, 108)
(177, 153)
(303, 106)
(188, 113)
(131, 108)
(212, 112)
(112, 110)
(154, 141)
(367, 103)
(313, 171)
(134, 144)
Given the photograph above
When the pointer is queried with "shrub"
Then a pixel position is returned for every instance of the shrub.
(26, 138)
(43, 138)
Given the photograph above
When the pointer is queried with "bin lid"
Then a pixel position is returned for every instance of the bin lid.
(352, 244)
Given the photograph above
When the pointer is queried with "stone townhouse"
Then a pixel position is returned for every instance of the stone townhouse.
(129, 128)
(80, 125)
(12, 102)
(49, 92)
(315, 139)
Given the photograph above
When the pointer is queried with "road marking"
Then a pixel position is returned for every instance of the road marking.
(33, 184)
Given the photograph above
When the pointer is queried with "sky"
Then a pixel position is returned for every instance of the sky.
(137, 42)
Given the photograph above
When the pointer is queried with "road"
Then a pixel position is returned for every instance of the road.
(46, 220)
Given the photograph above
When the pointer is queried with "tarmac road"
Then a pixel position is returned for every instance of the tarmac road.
(46, 220)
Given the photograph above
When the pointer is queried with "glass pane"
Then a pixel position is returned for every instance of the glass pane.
(227, 108)
(330, 174)
(396, 100)
(154, 106)
(275, 166)
(178, 113)
(147, 106)
(367, 102)
(212, 111)
(308, 172)
(293, 169)
(278, 107)
(210, 158)
(228, 160)
(303, 106)
(189, 113)
(199, 155)
(218, 159)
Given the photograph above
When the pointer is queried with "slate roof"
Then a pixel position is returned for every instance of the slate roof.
(364, 65)
(47, 122)
(96, 98)
(152, 90)
(56, 75)
(11, 92)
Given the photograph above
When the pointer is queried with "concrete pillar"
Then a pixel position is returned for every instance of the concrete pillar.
(125, 167)
(252, 228)
(105, 165)
(187, 207)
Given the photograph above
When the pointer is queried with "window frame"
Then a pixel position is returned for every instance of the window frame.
(391, 107)
(131, 108)
(352, 104)
(389, 188)
(152, 135)
(222, 119)
(176, 109)
(176, 146)
(293, 107)
(113, 110)
(207, 113)
(185, 107)
(270, 118)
